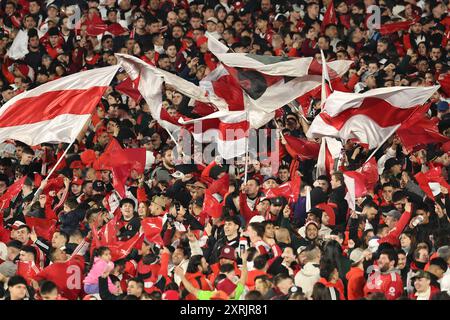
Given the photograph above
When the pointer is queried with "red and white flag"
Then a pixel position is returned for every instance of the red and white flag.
(150, 80)
(228, 129)
(271, 82)
(356, 187)
(11, 193)
(370, 117)
(55, 111)
(431, 182)
(329, 156)
(420, 131)
(329, 17)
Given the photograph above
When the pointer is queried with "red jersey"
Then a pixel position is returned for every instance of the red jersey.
(390, 284)
(68, 276)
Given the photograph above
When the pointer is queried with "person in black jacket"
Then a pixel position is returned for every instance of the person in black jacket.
(337, 196)
(71, 216)
(104, 292)
(230, 237)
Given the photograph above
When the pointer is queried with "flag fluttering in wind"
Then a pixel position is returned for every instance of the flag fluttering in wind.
(55, 111)
(228, 129)
(370, 117)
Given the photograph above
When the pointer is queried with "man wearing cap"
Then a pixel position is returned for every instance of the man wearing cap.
(442, 109)
(355, 277)
(54, 45)
(211, 25)
(227, 256)
(77, 167)
(310, 273)
(270, 182)
(76, 186)
(129, 222)
(422, 286)
(396, 223)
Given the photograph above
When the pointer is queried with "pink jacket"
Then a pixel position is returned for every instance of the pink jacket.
(97, 270)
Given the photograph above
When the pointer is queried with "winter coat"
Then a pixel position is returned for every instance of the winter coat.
(307, 277)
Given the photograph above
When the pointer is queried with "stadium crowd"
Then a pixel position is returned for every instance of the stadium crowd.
(394, 245)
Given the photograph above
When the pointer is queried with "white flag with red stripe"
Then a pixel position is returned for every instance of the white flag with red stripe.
(271, 82)
(369, 117)
(55, 111)
(228, 129)
(329, 156)
(356, 187)
(150, 80)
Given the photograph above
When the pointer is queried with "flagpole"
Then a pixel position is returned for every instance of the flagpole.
(39, 190)
(384, 140)
(37, 193)
(246, 152)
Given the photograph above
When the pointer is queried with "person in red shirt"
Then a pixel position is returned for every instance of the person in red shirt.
(355, 277)
(385, 280)
(66, 272)
(196, 274)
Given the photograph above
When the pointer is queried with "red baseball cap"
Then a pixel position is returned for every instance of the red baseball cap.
(77, 181)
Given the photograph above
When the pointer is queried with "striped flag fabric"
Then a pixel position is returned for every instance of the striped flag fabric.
(271, 82)
(369, 117)
(228, 129)
(356, 187)
(420, 131)
(329, 156)
(149, 81)
(55, 111)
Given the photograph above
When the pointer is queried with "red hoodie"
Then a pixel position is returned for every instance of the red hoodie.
(355, 285)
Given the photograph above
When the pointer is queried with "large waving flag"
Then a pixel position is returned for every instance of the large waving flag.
(150, 80)
(228, 129)
(369, 117)
(271, 82)
(419, 131)
(55, 111)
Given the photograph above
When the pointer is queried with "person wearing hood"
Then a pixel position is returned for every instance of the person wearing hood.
(310, 273)
(355, 277)
(316, 214)
(311, 233)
